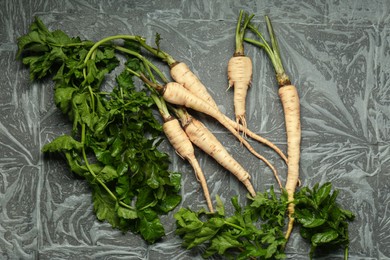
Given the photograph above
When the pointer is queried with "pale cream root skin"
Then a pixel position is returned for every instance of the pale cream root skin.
(176, 94)
(183, 147)
(178, 138)
(240, 77)
(258, 138)
(183, 75)
(206, 141)
(291, 106)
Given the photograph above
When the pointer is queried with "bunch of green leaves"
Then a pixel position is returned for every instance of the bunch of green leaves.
(115, 137)
(322, 221)
(255, 231)
(48, 52)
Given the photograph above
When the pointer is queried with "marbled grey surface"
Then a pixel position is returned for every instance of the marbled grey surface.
(336, 52)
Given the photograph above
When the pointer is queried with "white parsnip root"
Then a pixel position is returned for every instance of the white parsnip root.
(291, 107)
(184, 148)
(240, 77)
(175, 93)
(206, 141)
(290, 100)
(183, 75)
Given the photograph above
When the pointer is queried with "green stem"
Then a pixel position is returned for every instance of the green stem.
(158, 99)
(126, 205)
(346, 253)
(112, 195)
(234, 225)
(239, 45)
(158, 53)
(274, 42)
(272, 51)
(153, 86)
(92, 98)
(134, 72)
(240, 32)
(105, 40)
(276, 63)
(74, 44)
(182, 114)
(89, 167)
(144, 60)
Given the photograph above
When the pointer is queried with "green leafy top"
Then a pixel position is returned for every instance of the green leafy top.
(255, 231)
(272, 51)
(242, 23)
(323, 221)
(115, 137)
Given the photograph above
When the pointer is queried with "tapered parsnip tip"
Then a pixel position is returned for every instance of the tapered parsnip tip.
(290, 227)
(257, 137)
(184, 148)
(249, 187)
(202, 180)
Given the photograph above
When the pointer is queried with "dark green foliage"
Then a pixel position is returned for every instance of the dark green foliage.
(255, 231)
(115, 136)
(323, 221)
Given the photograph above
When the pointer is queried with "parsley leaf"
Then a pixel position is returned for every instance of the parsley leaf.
(115, 137)
(323, 222)
(253, 231)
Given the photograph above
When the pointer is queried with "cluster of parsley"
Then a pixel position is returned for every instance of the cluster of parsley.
(257, 230)
(115, 136)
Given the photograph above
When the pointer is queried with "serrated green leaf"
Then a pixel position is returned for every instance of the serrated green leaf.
(348, 214)
(107, 174)
(134, 64)
(122, 168)
(322, 193)
(150, 228)
(103, 156)
(271, 249)
(63, 97)
(236, 204)
(62, 143)
(169, 203)
(73, 161)
(154, 181)
(303, 201)
(324, 238)
(123, 189)
(117, 147)
(204, 234)
(37, 31)
(145, 198)
(187, 221)
(175, 181)
(60, 38)
(92, 71)
(221, 243)
(127, 213)
(39, 26)
(104, 206)
(312, 222)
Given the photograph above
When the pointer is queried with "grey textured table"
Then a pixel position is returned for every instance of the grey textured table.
(336, 52)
